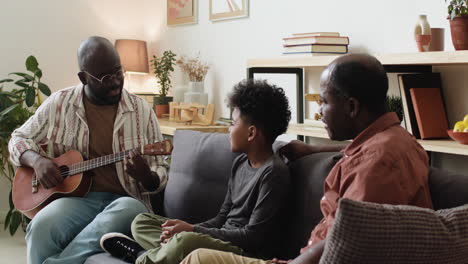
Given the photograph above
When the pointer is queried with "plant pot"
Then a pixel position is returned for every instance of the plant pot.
(459, 31)
(161, 105)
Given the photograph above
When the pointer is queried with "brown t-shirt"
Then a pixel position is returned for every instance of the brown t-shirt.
(100, 120)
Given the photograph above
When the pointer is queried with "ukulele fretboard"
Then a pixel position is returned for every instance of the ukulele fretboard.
(94, 163)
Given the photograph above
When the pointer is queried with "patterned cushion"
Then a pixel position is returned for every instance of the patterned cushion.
(378, 233)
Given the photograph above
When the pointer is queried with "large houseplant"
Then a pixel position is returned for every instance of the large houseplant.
(458, 16)
(163, 66)
(17, 104)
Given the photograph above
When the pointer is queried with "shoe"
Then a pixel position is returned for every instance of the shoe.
(121, 246)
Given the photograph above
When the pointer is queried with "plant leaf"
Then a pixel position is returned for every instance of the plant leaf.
(22, 84)
(7, 110)
(31, 64)
(39, 73)
(7, 219)
(30, 96)
(6, 80)
(11, 200)
(15, 222)
(24, 80)
(44, 89)
(24, 75)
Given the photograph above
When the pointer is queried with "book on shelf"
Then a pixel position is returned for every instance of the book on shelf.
(316, 40)
(327, 34)
(316, 48)
(308, 54)
(415, 80)
(430, 112)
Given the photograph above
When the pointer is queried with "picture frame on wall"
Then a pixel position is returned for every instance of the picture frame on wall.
(228, 9)
(182, 12)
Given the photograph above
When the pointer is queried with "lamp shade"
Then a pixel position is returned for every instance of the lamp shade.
(133, 55)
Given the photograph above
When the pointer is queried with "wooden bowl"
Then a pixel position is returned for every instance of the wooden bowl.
(460, 137)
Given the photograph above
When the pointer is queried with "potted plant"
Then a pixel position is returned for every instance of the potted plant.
(458, 16)
(163, 67)
(17, 104)
(395, 104)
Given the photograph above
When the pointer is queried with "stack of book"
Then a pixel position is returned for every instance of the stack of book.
(315, 43)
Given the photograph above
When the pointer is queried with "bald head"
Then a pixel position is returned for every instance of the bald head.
(94, 50)
(360, 76)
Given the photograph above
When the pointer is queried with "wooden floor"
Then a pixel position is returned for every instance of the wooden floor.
(12, 249)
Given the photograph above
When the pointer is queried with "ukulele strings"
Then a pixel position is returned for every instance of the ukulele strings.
(91, 164)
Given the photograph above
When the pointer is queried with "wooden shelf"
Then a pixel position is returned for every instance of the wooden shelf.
(435, 145)
(444, 146)
(416, 58)
(307, 130)
(169, 127)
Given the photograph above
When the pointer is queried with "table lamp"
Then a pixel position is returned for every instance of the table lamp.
(133, 56)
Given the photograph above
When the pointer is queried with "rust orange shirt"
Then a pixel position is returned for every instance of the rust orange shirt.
(383, 164)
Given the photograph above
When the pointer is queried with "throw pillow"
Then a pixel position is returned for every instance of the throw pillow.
(378, 233)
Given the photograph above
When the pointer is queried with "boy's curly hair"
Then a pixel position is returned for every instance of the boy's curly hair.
(263, 105)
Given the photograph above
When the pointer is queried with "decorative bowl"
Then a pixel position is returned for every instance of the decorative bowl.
(460, 137)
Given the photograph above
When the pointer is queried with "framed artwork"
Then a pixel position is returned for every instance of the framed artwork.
(182, 12)
(228, 9)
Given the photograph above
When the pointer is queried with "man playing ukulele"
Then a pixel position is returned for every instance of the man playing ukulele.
(96, 118)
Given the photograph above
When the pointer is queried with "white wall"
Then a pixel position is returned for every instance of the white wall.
(53, 29)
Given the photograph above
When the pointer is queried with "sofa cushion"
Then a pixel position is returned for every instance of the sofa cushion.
(448, 189)
(308, 174)
(197, 182)
(377, 233)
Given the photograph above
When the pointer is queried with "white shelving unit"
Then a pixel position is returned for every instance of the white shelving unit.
(397, 59)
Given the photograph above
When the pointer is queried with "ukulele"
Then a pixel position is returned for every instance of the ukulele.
(29, 197)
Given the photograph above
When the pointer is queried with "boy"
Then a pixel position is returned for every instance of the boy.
(257, 191)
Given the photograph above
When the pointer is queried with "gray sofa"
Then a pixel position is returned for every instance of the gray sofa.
(200, 168)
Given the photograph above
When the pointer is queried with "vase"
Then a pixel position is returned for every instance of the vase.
(422, 33)
(196, 94)
(459, 32)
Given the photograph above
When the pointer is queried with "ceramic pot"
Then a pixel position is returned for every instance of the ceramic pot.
(437, 39)
(459, 32)
(161, 105)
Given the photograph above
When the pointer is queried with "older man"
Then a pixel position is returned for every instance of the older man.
(96, 118)
(383, 164)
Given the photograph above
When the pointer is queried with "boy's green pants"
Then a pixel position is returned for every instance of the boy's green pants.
(146, 229)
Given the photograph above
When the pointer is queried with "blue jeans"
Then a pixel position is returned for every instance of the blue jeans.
(68, 230)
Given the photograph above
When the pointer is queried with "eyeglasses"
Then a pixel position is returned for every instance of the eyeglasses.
(108, 78)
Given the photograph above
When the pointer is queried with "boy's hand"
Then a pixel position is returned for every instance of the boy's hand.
(172, 227)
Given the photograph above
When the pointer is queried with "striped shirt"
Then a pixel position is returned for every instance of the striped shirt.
(60, 124)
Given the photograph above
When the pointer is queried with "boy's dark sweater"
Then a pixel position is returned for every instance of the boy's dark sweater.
(249, 217)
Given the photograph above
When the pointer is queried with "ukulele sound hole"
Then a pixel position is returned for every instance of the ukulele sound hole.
(64, 171)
